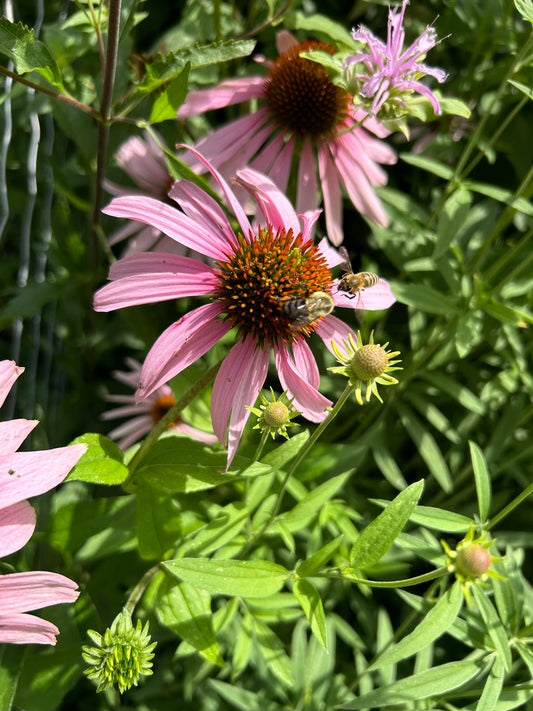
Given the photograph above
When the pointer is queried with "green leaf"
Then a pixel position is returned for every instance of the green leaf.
(187, 610)
(228, 523)
(322, 25)
(287, 450)
(181, 465)
(273, 652)
(376, 539)
(28, 54)
(11, 663)
(309, 599)
(242, 578)
(101, 463)
(423, 685)
(441, 520)
(459, 392)
(166, 105)
(525, 8)
(493, 687)
(494, 192)
(317, 561)
(429, 165)
(434, 624)
(495, 629)
(158, 522)
(452, 218)
(527, 90)
(243, 699)
(427, 447)
(504, 313)
(482, 478)
(424, 298)
(301, 515)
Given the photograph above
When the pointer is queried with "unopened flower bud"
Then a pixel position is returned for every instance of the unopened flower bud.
(276, 414)
(473, 561)
(369, 361)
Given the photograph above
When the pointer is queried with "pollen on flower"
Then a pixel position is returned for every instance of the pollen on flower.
(261, 274)
(301, 97)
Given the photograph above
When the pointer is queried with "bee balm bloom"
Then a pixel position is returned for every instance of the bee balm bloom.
(256, 271)
(300, 110)
(22, 475)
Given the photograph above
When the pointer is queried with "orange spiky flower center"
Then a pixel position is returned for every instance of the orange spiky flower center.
(301, 97)
(261, 274)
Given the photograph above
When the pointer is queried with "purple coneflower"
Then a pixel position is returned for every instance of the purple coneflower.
(300, 110)
(144, 415)
(256, 272)
(391, 74)
(22, 475)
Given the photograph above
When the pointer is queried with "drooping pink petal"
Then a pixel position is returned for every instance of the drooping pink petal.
(276, 208)
(145, 163)
(374, 298)
(333, 329)
(27, 474)
(23, 592)
(232, 91)
(306, 186)
(170, 221)
(17, 523)
(180, 345)
(309, 219)
(331, 255)
(201, 207)
(158, 263)
(195, 433)
(26, 629)
(331, 192)
(149, 289)
(306, 363)
(131, 431)
(237, 384)
(235, 205)
(13, 433)
(281, 167)
(9, 372)
(307, 399)
(265, 158)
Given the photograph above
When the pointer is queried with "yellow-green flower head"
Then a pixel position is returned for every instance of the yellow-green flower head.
(370, 364)
(471, 561)
(121, 656)
(274, 416)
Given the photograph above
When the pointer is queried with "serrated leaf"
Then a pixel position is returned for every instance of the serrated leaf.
(317, 561)
(101, 463)
(482, 479)
(28, 54)
(187, 610)
(181, 465)
(166, 105)
(310, 602)
(495, 629)
(242, 578)
(434, 624)
(424, 298)
(423, 685)
(376, 539)
(322, 24)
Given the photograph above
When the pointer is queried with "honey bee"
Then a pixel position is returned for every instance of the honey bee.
(353, 283)
(303, 311)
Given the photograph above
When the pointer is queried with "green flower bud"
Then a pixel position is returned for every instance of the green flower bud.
(369, 361)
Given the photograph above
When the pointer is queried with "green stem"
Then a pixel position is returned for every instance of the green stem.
(512, 505)
(139, 589)
(407, 582)
(103, 127)
(165, 422)
(55, 94)
(260, 446)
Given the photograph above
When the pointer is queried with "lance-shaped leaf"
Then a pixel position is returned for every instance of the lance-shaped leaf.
(376, 539)
(310, 602)
(242, 578)
(482, 478)
(434, 624)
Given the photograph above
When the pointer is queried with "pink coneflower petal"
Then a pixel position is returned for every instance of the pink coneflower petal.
(27, 474)
(307, 188)
(276, 208)
(307, 399)
(23, 592)
(281, 168)
(180, 345)
(195, 433)
(17, 523)
(14, 432)
(306, 363)
(26, 629)
(168, 220)
(329, 179)
(158, 263)
(232, 91)
(9, 372)
(309, 220)
(238, 382)
(131, 431)
(265, 158)
(333, 329)
(144, 162)
(331, 255)
(374, 298)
